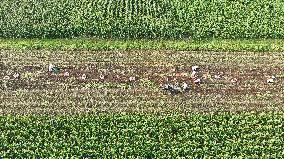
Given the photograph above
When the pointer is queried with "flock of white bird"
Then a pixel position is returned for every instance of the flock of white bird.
(195, 80)
(173, 87)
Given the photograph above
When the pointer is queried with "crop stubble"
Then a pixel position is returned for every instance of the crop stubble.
(40, 92)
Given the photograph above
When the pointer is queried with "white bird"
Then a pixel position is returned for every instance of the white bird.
(271, 79)
(195, 68)
(16, 75)
(234, 80)
(197, 81)
(6, 78)
(172, 88)
(84, 77)
(50, 67)
(193, 74)
(120, 54)
(102, 77)
(185, 86)
(66, 74)
(132, 78)
(217, 76)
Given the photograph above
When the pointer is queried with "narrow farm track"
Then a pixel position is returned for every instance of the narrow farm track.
(39, 92)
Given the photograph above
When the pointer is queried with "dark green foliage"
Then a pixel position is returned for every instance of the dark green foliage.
(144, 136)
(142, 18)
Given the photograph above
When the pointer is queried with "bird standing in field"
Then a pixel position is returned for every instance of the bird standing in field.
(195, 68)
(6, 78)
(83, 77)
(194, 75)
(66, 74)
(16, 75)
(195, 80)
(234, 80)
(53, 69)
(182, 77)
(185, 87)
(102, 77)
(132, 79)
(270, 79)
(173, 89)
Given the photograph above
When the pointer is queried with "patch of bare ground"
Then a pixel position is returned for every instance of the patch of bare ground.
(129, 82)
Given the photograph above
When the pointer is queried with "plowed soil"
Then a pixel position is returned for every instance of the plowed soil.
(38, 91)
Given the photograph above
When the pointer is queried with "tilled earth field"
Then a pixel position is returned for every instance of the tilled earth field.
(231, 81)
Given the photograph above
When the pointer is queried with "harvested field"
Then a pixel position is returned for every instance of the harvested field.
(38, 91)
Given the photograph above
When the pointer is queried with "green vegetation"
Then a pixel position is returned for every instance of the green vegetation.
(259, 45)
(142, 136)
(98, 92)
(142, 19)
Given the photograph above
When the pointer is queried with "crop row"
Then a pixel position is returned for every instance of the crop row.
(142, 136)
(141, 19)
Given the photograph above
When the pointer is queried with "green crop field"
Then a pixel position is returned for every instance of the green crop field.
(142, 19)
(140, 136)
(141, 79)
(52, 115)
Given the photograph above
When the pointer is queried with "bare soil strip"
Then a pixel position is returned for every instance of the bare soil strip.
(38, 91)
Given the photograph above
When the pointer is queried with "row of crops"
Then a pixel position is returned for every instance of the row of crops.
(142, 18)
(146, 136)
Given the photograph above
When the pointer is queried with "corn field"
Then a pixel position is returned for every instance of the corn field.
(142, 136)
(166, 19)
(141, 78)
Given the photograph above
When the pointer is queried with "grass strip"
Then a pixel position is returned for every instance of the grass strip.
(254, 45)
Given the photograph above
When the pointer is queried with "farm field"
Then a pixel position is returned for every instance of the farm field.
(37, 91)
(242, 135)
(141, 79)
(110, 104)
(146, 19)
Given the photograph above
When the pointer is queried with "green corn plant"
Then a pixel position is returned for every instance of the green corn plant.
(141, 19)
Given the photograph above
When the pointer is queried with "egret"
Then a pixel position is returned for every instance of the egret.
(185, 86)
(217, 76)
(16, 75)
(195, 68)
(66, 74)
(234, 80)
(6, 78)
(84, 77)
(197, 81)
(173, 89)
(102, 77)
(132, 79)
(193, 75)
(271, 79)
(52, 68)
